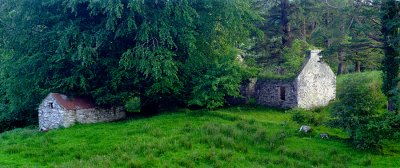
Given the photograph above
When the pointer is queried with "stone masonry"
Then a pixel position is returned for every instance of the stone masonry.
(316, 83)
(275, 93)
(58, 110)
(314, 86)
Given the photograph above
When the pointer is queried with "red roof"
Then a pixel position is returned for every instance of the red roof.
(73, 103)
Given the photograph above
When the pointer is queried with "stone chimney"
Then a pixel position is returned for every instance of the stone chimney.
(315, 55)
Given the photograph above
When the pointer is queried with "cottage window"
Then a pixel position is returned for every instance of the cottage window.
(282, 92)
(51, 104)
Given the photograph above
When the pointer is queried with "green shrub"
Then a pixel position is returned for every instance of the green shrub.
(294, 56)
(293, 59)
(384, 127)
(221, 79)
(359, 102)
(308, 117)
(133, 104)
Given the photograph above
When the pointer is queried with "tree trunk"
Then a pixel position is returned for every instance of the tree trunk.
(357, 67)
(342, 63)
(285, 26)
(390, 63)
(328, 43)
(390, 106)
(304, 29)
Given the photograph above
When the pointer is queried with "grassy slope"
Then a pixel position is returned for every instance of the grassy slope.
(238, 136)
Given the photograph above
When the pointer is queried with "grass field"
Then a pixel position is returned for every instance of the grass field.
(230, 137)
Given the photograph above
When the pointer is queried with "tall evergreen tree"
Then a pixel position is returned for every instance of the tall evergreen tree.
(287, 37)
(348, 32)
(391, 31)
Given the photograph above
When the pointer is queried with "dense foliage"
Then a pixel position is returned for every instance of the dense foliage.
(293, 58)
(348, 32)
(146, 54)
(391, 31)
(180, 52)
(360, 109)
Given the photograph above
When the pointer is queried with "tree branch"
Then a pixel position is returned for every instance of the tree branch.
(326, 1)
(376, 38)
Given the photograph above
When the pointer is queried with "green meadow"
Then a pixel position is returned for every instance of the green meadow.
(243, 136)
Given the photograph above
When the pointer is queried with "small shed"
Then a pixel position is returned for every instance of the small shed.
(58, 110)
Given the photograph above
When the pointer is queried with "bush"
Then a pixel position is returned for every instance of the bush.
(133, 104)
(294, 56)
(302, 116)
(384, 127)
(293, 59)
(359, 103)
(220, 80)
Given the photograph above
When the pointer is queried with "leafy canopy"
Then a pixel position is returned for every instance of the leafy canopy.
(182, 51)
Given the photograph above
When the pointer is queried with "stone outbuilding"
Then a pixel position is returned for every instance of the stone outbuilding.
(58, 110)
(314, 86)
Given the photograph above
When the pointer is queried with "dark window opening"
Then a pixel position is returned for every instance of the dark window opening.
(51, 105)
(282, 93)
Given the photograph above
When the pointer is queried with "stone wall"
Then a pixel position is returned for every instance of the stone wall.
(50, 118)
(315, 86)
(246, 91)
(52, 115)
(95, 115)
(275, 93)
(69, 118)
(316, 83)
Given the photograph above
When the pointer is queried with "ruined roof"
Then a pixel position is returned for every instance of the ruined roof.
(272, 75)
(73, 103)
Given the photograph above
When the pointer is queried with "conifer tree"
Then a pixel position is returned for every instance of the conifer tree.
(391, 31)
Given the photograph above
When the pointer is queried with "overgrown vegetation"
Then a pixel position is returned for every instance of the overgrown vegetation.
(243, 136)
(293, 58)
(180, 52)
(239, 136)
(153, 53)
(360, 110)
(348, 32)
(359, 103)
(309, 117)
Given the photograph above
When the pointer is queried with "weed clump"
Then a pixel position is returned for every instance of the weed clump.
(307, 117)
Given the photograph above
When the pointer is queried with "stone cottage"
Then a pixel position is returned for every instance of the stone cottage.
(58, 110)
(314, 86)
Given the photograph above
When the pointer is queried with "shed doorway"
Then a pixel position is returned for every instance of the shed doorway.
(282, 93)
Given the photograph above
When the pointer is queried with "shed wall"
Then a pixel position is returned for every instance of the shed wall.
(69, 118)
(50, 117)
(95, 115)
(246, 91)
(268, 93)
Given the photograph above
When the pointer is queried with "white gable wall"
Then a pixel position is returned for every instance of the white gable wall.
(316, 83)
(50, 117)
